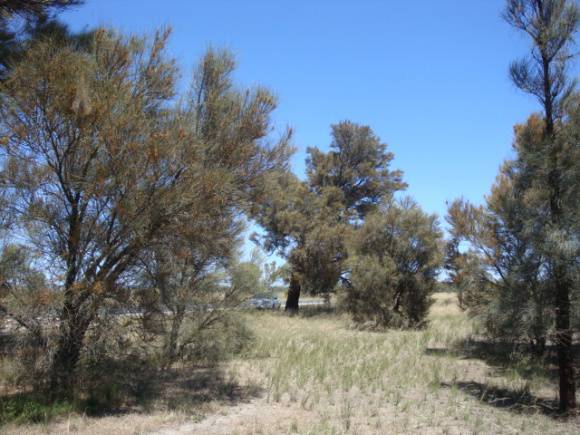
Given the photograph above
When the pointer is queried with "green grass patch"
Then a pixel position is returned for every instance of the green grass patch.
(27, 409)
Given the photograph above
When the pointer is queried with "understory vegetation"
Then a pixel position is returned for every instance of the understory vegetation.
(328, 376)
(433, 380)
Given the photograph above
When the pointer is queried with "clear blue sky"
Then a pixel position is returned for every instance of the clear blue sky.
(430, 77)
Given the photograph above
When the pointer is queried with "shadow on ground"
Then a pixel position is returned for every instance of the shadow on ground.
(512, 400)
(503, 358)
(182, 389)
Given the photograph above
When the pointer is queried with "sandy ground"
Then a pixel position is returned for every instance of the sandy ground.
(319, 376)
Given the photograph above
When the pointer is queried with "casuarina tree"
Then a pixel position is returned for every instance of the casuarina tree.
(308, 221)
(526, 236)
(100, 164)
(544, 164)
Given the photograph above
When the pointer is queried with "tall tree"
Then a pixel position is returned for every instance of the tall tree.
(295, 220)
(180, 268)
(100, 165)
(307, 221)
(551, 25)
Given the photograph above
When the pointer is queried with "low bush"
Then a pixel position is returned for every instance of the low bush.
(393, 263)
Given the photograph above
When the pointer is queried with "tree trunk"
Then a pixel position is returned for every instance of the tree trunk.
(293, 297)
(171, 346)
(66, 357)
(562, 288)
(564, 342)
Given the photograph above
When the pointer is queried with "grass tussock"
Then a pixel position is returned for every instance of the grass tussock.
(313, 374)
(343, 380)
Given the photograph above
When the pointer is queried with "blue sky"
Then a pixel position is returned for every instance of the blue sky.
(430, 77)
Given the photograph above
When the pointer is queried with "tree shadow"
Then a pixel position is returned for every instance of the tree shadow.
(501, 357)
(519, 401)
(182, 389)
(506, 359)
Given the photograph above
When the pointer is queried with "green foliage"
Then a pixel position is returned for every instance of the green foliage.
(25, 296)
(525, 239)
(28, 409)
(247, 277)
(501, 276)
(309, 221)
(110, 179)
(394, 261)
(17, 271)
(356, 170)
(25, 20)
(34, 7)
(463, 271)
(551, 26)
(208, 345)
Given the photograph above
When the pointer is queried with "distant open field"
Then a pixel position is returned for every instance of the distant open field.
(313, 374)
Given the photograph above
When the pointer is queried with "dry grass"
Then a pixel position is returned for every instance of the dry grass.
(316, 376)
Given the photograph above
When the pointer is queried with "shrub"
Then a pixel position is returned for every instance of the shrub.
(394, 261)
